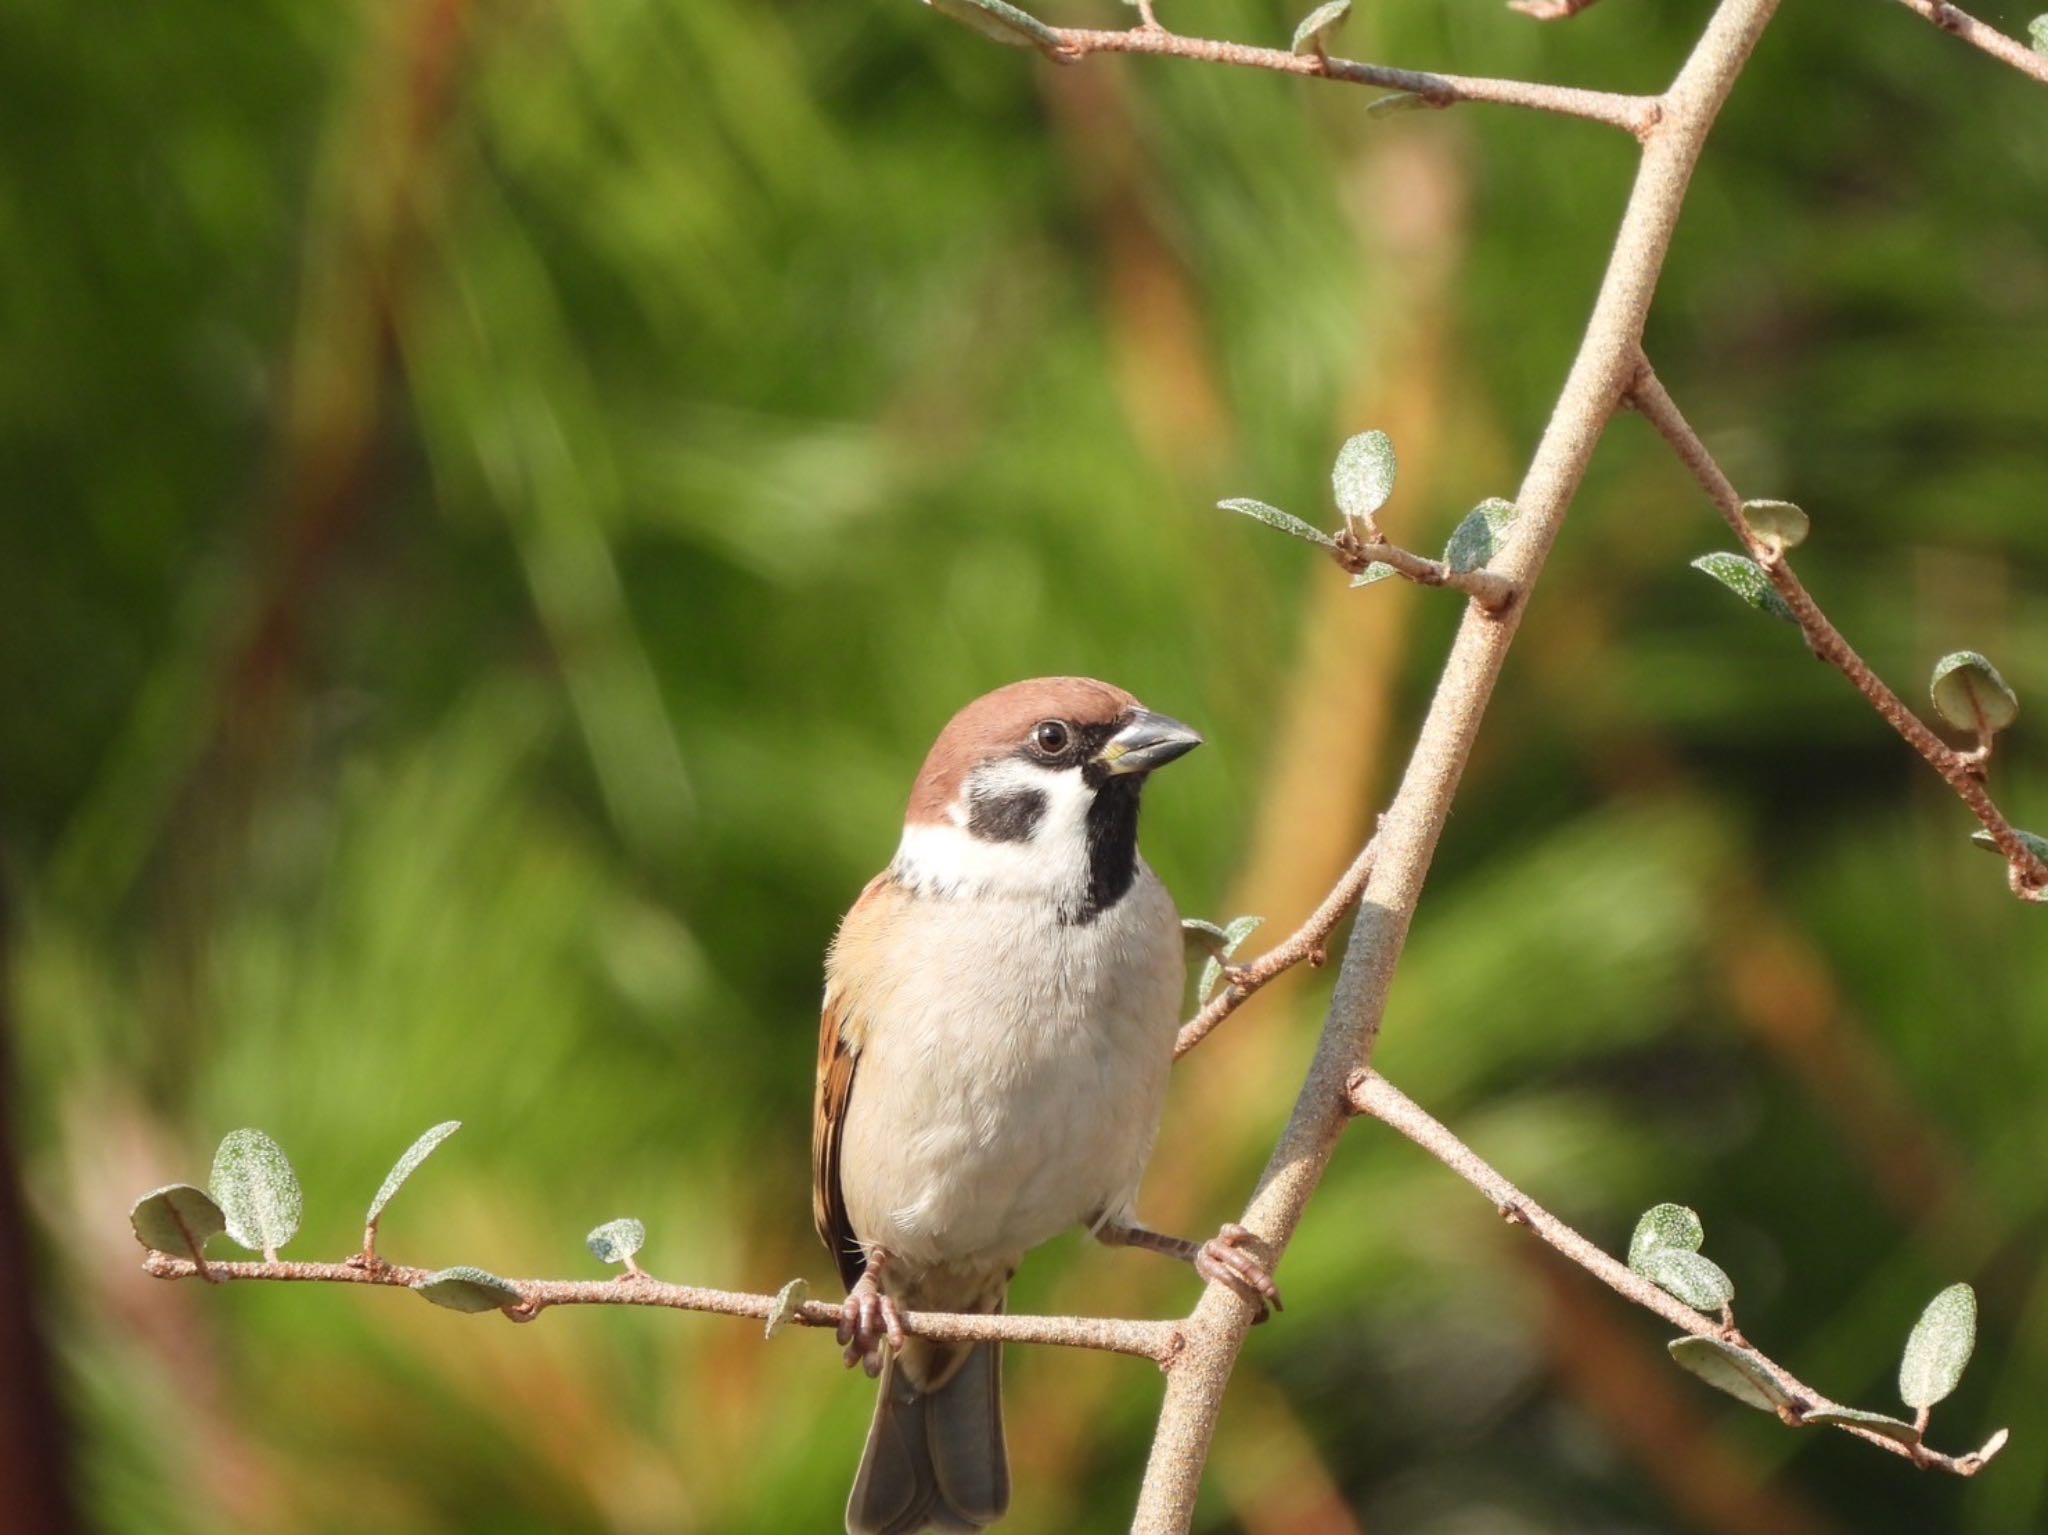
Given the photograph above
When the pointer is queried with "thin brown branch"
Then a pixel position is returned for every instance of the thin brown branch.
(1488, 588)
(1306, 943)
(1631, 114)
(2028, 874)
(1408, 834)
(1157, 1341)
(1371, 1094)
(1988, 39)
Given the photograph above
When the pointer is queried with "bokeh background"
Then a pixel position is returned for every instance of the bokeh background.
(499, 497)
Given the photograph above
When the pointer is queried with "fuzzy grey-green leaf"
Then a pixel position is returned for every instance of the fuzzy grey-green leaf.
(1939, 1347)
(1373, 573)
(1697, 1280)
(1001, 21)
(1273, 517)
(2037, 34)
(1234, 934)
(1318, 29)
(177, 1219)
(2037, 845)
(1779, 520)
(1730, 1369)
(469, 1289)
(1363, 476)
(616, 1241)
(257, 1191)
(1969, 694)
(788, 1300)
(1876, 1422)
(1206, 938)
(1664, 1228)
(1747, 580)
(409, 1163)
(1479, 537)
(1394, 102)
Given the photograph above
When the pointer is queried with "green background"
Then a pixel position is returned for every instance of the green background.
(499, 498)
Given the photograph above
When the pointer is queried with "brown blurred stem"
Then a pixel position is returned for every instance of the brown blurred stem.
(1306, 943)
(2027, 873)
(1371, 1094)
(1987, 39)
(1632, 114)
(1158, 1341)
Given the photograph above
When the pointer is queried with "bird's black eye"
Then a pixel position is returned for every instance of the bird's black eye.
(1051, 736)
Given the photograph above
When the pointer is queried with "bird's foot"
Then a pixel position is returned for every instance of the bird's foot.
(868, 1320)
(1225, 1259)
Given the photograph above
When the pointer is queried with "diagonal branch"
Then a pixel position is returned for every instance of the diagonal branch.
(1987, 39)
(1632, 114)
(1306, 943)
(1371, 1094)
(1599, 378)
(1157, 1341)
(2027, 871)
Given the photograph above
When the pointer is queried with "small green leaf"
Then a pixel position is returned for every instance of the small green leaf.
(1001, 21)
(2037, 34)
(1939, 1347)
(1233, 935)
(2038, 846)
(788, 1301)
(469, 1289)
(1876, 1422)
(1395, 101)
(1204, 938)
(257, 1191)
(1969, 694)
(1747, 580)
(406, 1165)
(1363, 476)
(1664, 1228)
(1373, 573)
(1477, 539)
(177, 1219)
(616, 1241)
(1730, 1369)
(1273, 517)
(1779, 520)
(1698, 1281)
(1318, 29)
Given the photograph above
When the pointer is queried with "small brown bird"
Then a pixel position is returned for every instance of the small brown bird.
(1000, 1009)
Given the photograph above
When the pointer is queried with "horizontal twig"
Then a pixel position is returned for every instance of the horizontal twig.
(1987, 39)
(1489, 589)
(1158, 1341)
(1632, 114)
(1306, 943)
(1371, 1094)
(2028, 874)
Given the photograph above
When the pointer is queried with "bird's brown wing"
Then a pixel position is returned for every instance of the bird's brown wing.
(841, 1031)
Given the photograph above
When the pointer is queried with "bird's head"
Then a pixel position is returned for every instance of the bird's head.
(1032, 791)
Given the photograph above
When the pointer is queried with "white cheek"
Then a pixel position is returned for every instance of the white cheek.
(946, 859)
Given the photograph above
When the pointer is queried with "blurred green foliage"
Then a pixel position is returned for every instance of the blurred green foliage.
(499, 498)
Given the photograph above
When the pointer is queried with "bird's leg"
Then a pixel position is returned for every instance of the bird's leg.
(868, 1318)
(1223, 1258)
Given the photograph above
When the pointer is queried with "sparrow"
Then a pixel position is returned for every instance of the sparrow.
(998, 1025)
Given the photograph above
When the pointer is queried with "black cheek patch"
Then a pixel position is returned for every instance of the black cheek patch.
(1006, 817)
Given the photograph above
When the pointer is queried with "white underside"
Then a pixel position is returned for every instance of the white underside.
(1012, 1077)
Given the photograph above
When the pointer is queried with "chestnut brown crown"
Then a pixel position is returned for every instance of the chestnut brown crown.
(1001, 723)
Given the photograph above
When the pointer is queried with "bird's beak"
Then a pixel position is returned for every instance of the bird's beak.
(1146, 742)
